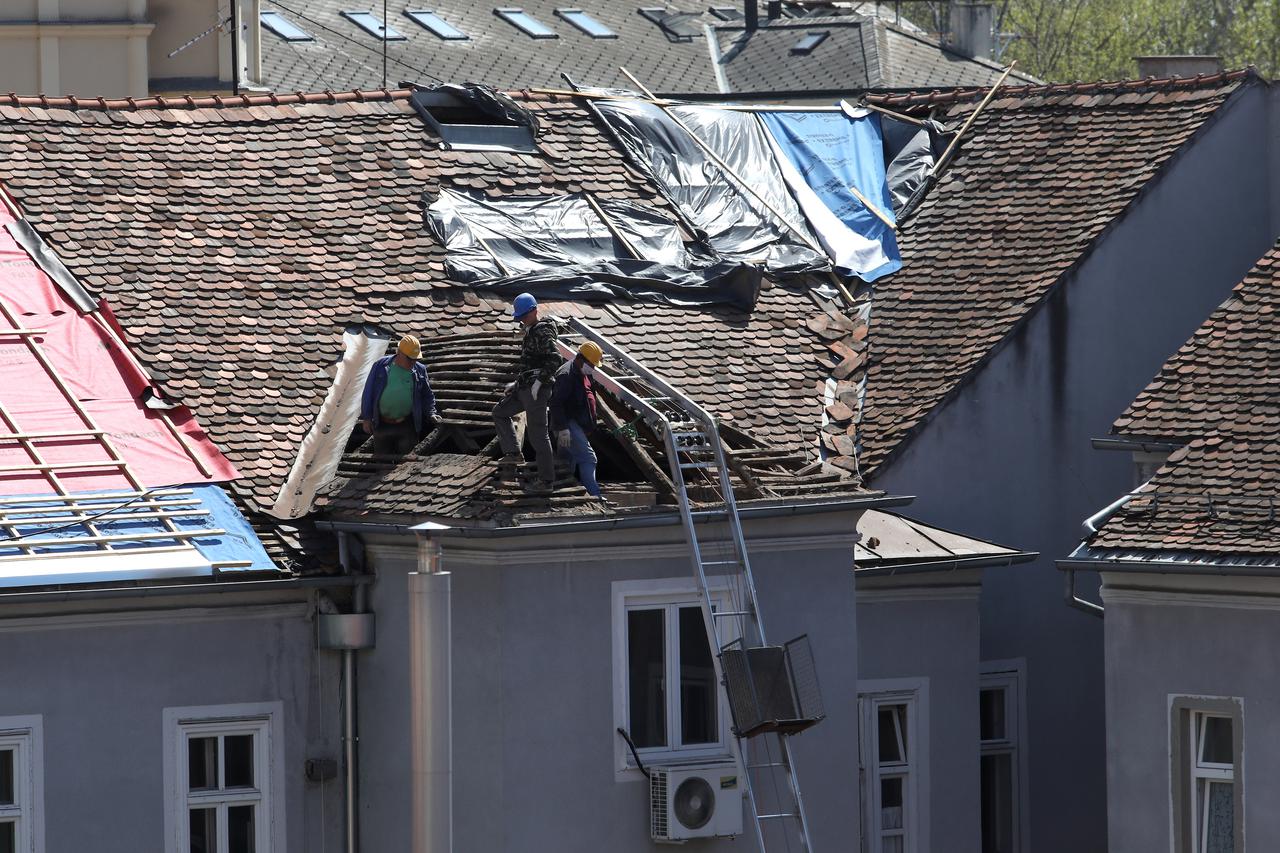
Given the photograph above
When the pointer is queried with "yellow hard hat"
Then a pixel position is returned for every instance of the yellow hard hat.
(591, 352)
(409, 346)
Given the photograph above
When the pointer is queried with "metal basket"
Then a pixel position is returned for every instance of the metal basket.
(772, 688)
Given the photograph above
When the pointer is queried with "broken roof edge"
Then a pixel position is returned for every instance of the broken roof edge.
(445, 526)
(909, 565)
(962, 551)
(1249, 76)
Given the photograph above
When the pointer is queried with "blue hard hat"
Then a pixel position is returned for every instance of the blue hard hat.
(523, 305)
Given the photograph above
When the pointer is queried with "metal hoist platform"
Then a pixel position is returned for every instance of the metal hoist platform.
(771, 690)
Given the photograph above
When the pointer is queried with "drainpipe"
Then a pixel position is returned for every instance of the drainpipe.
(430, 676)
(1091, 525)
(350, 724)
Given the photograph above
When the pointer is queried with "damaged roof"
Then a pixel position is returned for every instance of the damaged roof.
(237, 242)
(1044, 173)
(1214, 499)
(702, 54)
(238, 237)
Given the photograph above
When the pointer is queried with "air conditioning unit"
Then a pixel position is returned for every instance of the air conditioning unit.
(694, 801)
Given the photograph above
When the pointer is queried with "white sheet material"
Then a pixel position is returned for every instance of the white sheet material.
(324, 445)
(845, 247)
(98, 566)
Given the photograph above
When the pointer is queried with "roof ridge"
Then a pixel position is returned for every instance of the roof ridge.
(1100, 87)
(162, 102)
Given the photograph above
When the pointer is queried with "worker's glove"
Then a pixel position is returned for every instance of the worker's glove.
(510, 389)
(563, 439)
(535, 388)
(368, 426)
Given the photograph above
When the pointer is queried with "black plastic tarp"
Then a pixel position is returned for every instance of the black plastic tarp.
(737, 225)
(910, 153)
(559, 247)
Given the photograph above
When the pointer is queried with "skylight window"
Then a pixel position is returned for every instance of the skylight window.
(679, 26)
(727, 13)
(525, 22)
(586, 23)
(374, 27)
(809, 42)
(283, 27)
(436, 24)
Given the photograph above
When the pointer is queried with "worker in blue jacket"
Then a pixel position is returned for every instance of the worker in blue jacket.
(398, 405)
(573, 413)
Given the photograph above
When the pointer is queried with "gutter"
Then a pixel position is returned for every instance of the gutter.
(1135, 444)
(982, 562)
(1166, 568)
(319, 582)
(625, 522)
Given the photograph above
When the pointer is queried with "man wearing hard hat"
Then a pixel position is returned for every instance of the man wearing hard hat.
(530, 392)
(573, 412)
(398, 404)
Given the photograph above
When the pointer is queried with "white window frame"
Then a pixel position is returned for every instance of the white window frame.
(25, 736)
(265, 721)
(1186, 768)
(1011, 676)
(665, 592)
(873, 695)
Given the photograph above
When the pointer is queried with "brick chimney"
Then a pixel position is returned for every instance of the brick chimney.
(1177, 66)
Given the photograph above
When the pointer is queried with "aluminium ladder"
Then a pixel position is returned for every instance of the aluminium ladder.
(697, 458)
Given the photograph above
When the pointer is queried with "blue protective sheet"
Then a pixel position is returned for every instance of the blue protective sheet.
(831, 151)
(238, 543)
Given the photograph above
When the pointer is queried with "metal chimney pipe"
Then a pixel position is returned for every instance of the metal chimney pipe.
(430, 688)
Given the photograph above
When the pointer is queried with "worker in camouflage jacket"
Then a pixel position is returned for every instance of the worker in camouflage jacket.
(531, 391)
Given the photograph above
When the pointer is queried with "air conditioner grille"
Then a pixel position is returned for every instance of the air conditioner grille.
(658, 804)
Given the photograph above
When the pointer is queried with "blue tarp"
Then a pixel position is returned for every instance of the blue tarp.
(239, 543)
(831, 151)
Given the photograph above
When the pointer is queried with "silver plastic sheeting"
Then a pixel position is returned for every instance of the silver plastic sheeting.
(558, 247)
(736, 224)
(493, 238)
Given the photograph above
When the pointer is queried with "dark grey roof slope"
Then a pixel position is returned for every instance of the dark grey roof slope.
(858, 52)
(496, 53)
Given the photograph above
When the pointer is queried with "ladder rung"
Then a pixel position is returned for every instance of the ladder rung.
(22, 333)
(697, 465)
(728, 613)
(777, 816)
(721, 562)
(766, 764)
(698, 433)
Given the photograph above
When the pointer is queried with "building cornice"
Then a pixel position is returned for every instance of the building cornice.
(76, 29)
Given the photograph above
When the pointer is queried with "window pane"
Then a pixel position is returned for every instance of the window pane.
(437, 25)
(697, 680)
(283, 27)
(1217, 740)
(991, 714)
(1218, 818)
(646, 666)
(891, 803)
(8, 837)
(6, 777)
(997, 803)
(526, 22)
(202, 763)
(892, 844)
(586, 23)
(892, 733)
(372, 25)
(204, 831)
(240, 832)
(238, 754)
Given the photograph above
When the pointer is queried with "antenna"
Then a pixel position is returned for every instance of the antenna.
(235, 47)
